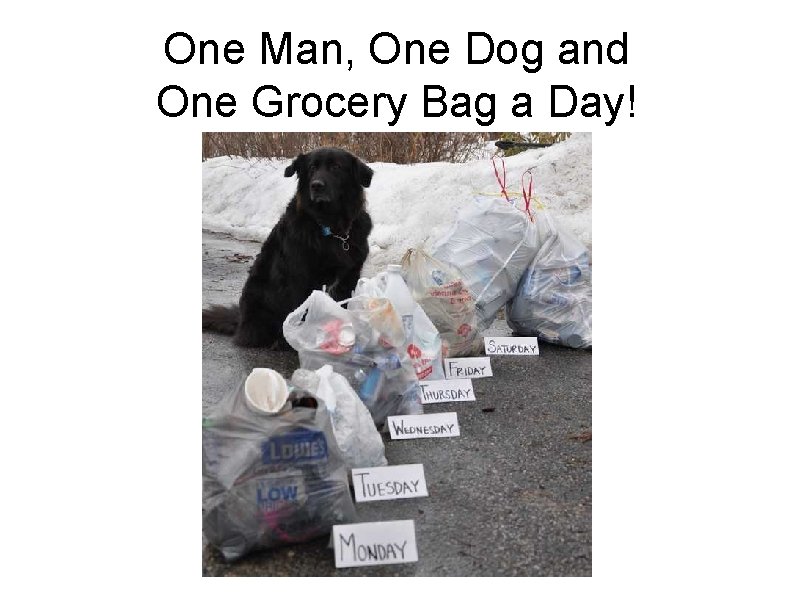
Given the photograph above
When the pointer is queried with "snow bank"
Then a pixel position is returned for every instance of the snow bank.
(410, 205)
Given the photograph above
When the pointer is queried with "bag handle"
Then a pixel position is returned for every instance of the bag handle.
(527, 192)
(503, 180)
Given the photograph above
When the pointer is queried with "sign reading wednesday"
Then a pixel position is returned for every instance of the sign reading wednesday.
(377, 543)
(424, 426)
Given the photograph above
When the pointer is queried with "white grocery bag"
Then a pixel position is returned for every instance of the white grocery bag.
(422, 340)
(439, 289)
(491, 242)
(554, 297)
(363, 342)
(359, 441)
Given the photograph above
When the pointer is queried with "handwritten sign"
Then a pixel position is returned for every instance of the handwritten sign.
(424, 426)
(376, 543)
(468, 368)
(434, 392)
(513, 346)
(389, 482)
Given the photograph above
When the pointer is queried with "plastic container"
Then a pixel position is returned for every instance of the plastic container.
(371, 386)
(397, 292)
(266, 390)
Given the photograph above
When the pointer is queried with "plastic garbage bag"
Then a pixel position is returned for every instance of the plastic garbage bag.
(362, 343)
(554, 297)
(358, 439)
(492, 242)
(271, 478)
(441, 292)
(422, 340)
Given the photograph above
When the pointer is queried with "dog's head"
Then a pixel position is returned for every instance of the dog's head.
(330, 183)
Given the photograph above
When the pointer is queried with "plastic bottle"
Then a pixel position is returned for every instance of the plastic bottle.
(401, 299)
(370, 388)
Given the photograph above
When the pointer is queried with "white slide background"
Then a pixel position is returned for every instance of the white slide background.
(101, 238)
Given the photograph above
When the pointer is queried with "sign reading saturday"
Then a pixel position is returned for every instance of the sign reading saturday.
(376, 543)
(446, 390)
(424, 426)
(389, 482)
(468, 368)
(514, 346)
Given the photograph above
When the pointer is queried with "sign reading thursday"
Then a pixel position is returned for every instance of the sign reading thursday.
(468, 368)
(389, 482)
(446, 390)
(513, 346)
(377, 543)
(424, 426)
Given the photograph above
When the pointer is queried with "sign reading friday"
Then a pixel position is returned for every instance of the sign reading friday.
(424, 426)
(446, 390)
(468, 368)
(389, 482)
(376, 543)
(513, 346)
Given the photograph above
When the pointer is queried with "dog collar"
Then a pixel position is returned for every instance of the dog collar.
(326, 230)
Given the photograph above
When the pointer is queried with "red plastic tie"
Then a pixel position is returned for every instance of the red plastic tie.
(503, 180)
(527, 193)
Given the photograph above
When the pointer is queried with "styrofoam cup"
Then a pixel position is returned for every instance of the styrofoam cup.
(266, 390)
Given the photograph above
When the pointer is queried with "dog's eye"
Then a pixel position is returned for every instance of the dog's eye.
(312, 169)
(336, 166)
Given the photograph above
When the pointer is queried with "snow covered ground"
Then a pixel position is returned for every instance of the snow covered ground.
(410, 205)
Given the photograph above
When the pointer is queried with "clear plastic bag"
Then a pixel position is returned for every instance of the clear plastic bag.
(362, 343)
(271, 479)
(358, 439)
(492, 242)
(422, 340)
(554, 297)
(439, 289)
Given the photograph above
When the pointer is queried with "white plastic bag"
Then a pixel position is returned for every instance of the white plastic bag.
(492, 242)
(441, 292)
(358, 439)
(422, 340)
(271, 478)
(362, 344)
(554, 297)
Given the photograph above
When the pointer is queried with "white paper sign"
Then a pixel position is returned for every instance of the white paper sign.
(424, 426)
(434, 392)
(512, 346)
(389, 482)
(468, 368)
(377, 543)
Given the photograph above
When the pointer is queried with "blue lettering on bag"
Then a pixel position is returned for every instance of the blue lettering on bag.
(270, 497)
(294, 447)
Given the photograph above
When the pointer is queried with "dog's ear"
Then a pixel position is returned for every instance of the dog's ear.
(296, 165)
(363, 172)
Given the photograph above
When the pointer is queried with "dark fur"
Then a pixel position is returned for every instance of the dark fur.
(296, 258)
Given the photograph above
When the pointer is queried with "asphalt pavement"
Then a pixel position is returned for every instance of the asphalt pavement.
(510, 497)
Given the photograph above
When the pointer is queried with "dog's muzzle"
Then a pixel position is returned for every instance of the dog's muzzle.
(319, 192)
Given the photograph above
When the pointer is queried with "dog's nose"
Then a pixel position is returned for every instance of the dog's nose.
(317, 186)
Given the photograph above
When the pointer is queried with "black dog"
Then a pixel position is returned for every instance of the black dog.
(320, 240)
